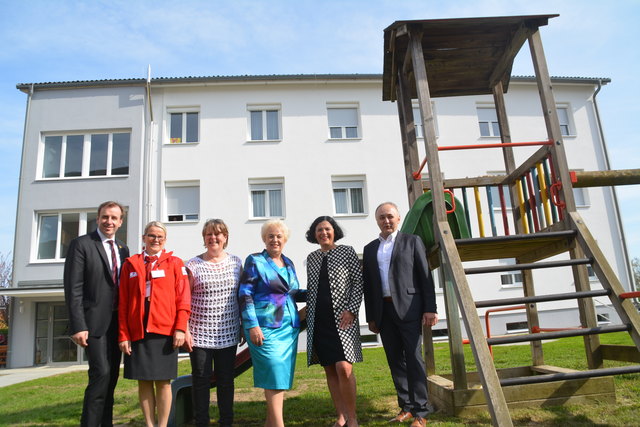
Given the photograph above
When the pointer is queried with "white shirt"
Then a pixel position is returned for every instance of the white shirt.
(107, 249)
(384, 260)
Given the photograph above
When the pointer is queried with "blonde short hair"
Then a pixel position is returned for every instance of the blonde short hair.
(274, 223)
(155, 224)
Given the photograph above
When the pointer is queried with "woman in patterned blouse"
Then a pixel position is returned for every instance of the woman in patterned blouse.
(214, 326)
(334, 295)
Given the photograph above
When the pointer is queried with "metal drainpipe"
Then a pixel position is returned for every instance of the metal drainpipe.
(613, 190)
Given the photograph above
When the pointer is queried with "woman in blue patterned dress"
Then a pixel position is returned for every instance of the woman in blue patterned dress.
(268, 288)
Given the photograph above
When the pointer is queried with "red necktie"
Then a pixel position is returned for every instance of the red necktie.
(114, 263)
(114, 272)
(148, 265)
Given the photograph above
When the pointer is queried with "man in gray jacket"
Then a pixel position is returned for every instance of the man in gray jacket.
(399, 298)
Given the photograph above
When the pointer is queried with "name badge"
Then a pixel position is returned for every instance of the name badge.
(157, 273)
(133, 274)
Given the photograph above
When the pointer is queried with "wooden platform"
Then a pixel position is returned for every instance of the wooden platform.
(524, 247)
(472, 400)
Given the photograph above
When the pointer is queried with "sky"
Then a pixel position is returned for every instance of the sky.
(64, 40)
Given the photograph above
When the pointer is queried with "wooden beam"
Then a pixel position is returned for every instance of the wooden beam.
(552, 123)
(502, 69)
(430, 141)
(484, 362)
(607, 178)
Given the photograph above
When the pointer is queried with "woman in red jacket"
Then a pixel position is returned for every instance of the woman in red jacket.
(153, 311)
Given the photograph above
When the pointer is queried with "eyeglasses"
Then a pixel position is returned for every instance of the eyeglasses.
(154, 237)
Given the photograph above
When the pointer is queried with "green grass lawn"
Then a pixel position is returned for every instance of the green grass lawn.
(57, 400)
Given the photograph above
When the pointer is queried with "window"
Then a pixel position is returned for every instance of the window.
(343, 122)
(98, 154)
(183, 127)
(267, 198)
(56, 230)
(592, 274)
(581, 197)
(182, 201)
(417, 118)
(603, 318)
(348, 195)
(488, 121)
(495, 197)
(264, 123)
(563, 118)
(510, 279)
(517, 327)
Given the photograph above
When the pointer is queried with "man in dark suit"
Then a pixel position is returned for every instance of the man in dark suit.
(399, 298)
(91, 273)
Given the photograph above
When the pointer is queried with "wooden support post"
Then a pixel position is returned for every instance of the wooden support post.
(458, 369)
(430, 142)
(587, 311)
(409, 141)
(486, 369)
(552, 123)
(537, 356)
(625, 308)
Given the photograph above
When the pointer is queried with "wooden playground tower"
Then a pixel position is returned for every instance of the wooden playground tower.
(455, 57)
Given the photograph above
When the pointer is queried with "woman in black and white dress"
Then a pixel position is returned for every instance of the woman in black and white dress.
(334, 296)
(214, 325)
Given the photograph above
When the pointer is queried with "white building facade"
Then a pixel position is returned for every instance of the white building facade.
(245, 149)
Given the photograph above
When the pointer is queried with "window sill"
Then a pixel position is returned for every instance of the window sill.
(490, 137)
(356, 215)
(187, 221)
(511, 286)
(265, 218)
(169, 144)
(264, 141)
(344, 139)
(47, 261)
(78, 178)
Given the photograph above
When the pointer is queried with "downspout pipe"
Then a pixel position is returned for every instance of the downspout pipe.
(625, 251)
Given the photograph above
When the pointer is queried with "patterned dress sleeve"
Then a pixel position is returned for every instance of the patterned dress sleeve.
(355, 279)
(246, 291)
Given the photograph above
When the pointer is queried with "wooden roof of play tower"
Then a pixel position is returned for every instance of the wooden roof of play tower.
(463, 56)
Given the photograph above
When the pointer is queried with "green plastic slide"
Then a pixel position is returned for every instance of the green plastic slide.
(419, 220)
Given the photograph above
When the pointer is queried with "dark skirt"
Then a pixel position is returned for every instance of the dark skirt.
(326, 341)
(153, 358)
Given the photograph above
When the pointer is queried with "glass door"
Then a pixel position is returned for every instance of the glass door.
(52, 335)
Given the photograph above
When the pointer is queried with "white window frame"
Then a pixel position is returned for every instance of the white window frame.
(567, 127)
(183, 139)
(581, 195)
(267, 185)
(349, 182)
(490, 123)
(417, 119)
(515, 283)
(344, 129)
(264, 108)
(83, 223)
(181, 215)
(86, 155)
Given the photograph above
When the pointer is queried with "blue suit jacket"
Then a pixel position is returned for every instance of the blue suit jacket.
(264, 294)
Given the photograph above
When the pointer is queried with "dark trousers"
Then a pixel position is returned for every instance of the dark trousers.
(202, 360)
(104, 358)
(402, 342)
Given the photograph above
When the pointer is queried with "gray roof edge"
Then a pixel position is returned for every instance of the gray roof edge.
(25, 87)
